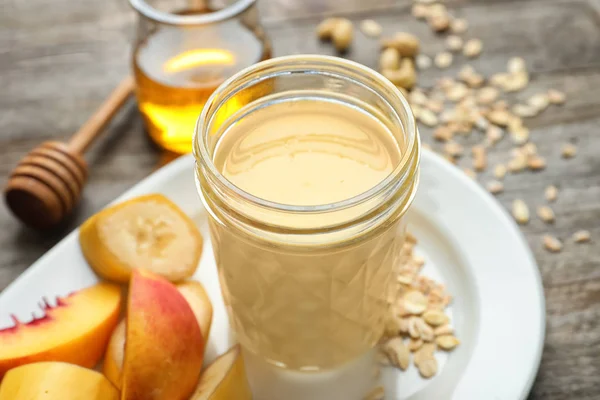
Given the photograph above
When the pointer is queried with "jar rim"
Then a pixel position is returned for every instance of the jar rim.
(223, 14)
(409, 160)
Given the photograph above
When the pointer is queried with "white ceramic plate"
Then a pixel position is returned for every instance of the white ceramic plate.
(469, 242)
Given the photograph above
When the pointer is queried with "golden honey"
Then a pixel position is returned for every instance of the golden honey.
(178, 67)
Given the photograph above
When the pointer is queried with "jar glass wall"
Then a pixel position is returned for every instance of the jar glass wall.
(306, 283)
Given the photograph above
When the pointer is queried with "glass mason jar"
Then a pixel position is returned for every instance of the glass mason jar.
(306, 286)
(184, 49)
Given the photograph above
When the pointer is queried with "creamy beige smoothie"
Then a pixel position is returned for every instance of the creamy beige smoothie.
(321, 305)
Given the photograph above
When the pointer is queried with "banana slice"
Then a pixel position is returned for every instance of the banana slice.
(224, 379)
(148, 232)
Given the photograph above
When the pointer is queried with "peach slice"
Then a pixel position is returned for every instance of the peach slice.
(201, 306)
(76, 330)
(148, 232)
(56, 381)
(224, 379)
(164, 347)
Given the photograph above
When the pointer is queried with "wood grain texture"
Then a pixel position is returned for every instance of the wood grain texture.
(60, 59)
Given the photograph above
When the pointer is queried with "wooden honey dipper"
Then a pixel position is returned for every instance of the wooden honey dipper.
(46, 184)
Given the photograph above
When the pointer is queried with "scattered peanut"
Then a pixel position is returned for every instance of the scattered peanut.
(397, 353)
(529, 149)
(500, 171)
(415, 302)
(487, 95)
(370, 28)
(546, 214)
(516, 65)
(414, 344)
(523, 110)
(443, 330)
(425, 331)
(454, 43)
(389, 59)
(424, 353)
(536, 163)
(342, 34)
(499, 79)
(439, 22)
(443, 133)
(479, 157)
(519, 135)
(556, 97)
(582, 236)
(428, 367)
(551, 193)
(470, 173)
(520, 211)
(420, 11)
(418, 97)
(518, 163)
(435, 105)
(494, 134)
(459, 25)
(473, 48)
(499, 117)
(515, 82)
(443, 60)
(539, 102)
(423, 61)
(405, 76)
(453, 149)
(428, 118)
(475, 81)
(495, 187)
(447, 342)
(435, 317)
(325, 28)
(552, 243)
(568, 150)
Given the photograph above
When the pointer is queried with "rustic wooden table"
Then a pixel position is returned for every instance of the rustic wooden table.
(61, 58)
